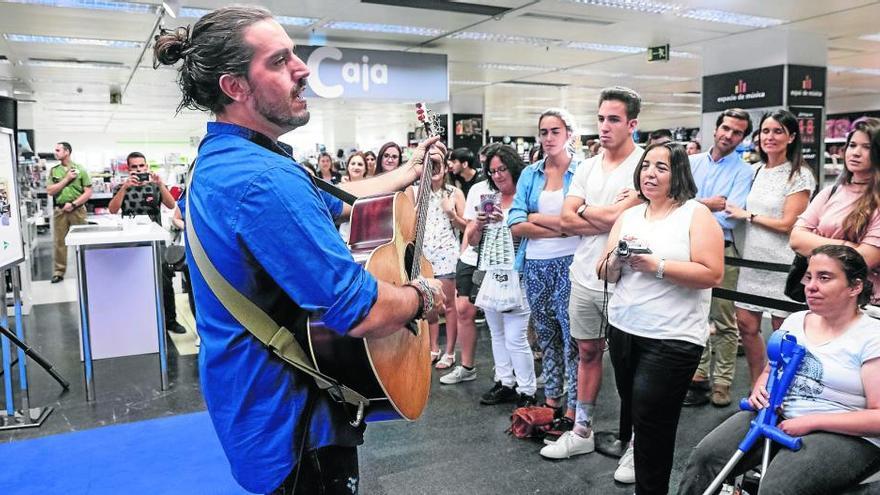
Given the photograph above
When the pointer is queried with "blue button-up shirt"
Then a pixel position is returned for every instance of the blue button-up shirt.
(528, 191)
(270, 233)
(729, 177)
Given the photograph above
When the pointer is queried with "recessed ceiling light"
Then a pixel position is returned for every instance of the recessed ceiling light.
(603, 47)
(870, 37)
(63, 40)
(637, 5)
(651, 77)
(595, 72)
(688, 95)
(725, 17)
(73, 64)
(505, 38)
(517, 67)
(469, 83)
(384, 28)
(130, 7)
(855, 70)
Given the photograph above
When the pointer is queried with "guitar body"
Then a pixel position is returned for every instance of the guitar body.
(393, 372)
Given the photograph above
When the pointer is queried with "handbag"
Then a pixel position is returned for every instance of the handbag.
(530, 421)
(794, 287)
(175, 254)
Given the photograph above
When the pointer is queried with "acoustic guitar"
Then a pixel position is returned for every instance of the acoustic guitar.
(387, 235)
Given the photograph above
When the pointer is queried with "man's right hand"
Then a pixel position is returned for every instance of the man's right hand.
(71, 175)
(715, 203)
(131, 181)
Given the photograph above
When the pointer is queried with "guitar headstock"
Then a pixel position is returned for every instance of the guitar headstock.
(428, 119)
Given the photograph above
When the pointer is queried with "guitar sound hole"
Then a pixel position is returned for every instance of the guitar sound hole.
(408, 258)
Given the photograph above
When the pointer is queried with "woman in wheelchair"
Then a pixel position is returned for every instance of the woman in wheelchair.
(833, 403)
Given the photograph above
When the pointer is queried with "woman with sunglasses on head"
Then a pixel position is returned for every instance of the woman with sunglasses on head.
(657, 315)
(514, 363)
(833, 403)
(781, 188)
(441, 245)
(545, 256)
(847, 212)
(390, 157)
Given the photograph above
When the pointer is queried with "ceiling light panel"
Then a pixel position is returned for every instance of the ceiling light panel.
(73, 64)
(855, 70)
(384, 28)
(871, 37)
(505, 38)
(62, 40)
(130, 7)
(517, 68)
(725, 17)
(636, 5)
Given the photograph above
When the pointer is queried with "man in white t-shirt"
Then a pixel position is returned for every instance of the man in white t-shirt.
(601, 190)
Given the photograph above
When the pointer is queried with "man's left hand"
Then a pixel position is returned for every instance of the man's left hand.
(155, 178)
(68, 207)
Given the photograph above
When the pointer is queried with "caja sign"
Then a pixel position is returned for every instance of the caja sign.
(374, 74)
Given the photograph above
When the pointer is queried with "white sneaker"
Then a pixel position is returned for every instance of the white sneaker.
(626, 470)
(458, 375)
(569, 444)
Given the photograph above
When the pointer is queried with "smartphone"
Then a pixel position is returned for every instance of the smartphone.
(143, 177)
(488, 202)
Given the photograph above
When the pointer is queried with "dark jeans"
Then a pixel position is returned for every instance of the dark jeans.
(168, 303)
(652, 378)
(329, 470)
(826, 462)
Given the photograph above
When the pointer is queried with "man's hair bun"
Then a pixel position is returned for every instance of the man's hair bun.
(170, 46)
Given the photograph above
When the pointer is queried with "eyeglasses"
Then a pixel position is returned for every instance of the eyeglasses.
(390, 157)
(499, 170)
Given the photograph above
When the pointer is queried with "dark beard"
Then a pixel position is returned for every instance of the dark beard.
(281, 116)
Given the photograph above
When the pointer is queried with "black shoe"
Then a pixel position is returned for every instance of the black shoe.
(697, 394)
(56, 279)
(560, 426)
(498, 394)
(175, 327)
(526, 400)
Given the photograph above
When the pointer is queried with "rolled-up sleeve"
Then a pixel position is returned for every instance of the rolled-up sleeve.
(292, 236)
(519, 210)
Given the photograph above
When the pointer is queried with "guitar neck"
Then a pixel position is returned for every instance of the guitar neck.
(432, 128)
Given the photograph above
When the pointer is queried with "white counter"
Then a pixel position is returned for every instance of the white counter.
(130, 232)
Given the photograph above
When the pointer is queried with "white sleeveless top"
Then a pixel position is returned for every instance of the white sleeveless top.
(550, 203)
(646, 306)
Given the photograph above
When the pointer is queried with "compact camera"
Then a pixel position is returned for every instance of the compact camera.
(143, 177)
(626, 248)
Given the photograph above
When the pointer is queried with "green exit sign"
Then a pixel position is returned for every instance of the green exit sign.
(658, 53)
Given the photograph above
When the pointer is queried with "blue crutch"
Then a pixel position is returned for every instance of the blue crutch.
(785, 355)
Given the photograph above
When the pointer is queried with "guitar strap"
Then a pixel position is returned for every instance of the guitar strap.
(277, 338)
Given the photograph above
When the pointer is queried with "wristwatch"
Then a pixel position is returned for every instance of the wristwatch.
(581, 210)
(751, 217)
(660, 267)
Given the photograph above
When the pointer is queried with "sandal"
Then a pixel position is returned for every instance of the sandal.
(435, 356)
(445, 362)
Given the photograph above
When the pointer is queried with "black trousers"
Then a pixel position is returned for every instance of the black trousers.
(652, 378)
(329, 470)
(168, 303)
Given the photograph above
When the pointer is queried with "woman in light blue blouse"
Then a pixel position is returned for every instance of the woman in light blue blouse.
(546, 254)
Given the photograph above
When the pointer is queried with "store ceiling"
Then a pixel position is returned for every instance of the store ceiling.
(77, 95)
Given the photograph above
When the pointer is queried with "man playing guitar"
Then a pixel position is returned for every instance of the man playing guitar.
(270, 233)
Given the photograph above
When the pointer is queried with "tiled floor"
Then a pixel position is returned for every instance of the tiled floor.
(458, 446)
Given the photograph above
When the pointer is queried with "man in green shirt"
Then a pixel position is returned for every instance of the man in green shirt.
(70, 186)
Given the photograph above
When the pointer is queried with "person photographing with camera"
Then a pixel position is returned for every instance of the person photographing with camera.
(657, 316)
(143, 193)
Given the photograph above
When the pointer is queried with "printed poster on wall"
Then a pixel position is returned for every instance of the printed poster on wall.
(11, 246)
(810, 124)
